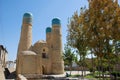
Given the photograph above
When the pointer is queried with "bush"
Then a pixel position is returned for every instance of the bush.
(115, 74)
(92, 69)
(90, 76)
(76, 75)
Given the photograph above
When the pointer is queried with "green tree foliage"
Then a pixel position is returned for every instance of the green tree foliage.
(69, 56)
(94, 28)
(77, 35)
(104, 26)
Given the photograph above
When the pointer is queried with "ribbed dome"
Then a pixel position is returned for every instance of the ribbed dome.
(27, 15)
(40, 41)
(48, 29)
(56, 21)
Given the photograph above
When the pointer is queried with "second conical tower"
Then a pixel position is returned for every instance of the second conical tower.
(57, 60)
(26, 33)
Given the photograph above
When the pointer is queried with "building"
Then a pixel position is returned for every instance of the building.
(3, 56)
(11, 64)
(44, 57)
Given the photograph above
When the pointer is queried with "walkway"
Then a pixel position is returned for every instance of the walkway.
(63, 76)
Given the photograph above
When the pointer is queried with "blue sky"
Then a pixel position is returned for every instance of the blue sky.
(11, 14)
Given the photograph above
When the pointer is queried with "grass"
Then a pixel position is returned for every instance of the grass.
(95, 76)
(76, 75)
(90, 76)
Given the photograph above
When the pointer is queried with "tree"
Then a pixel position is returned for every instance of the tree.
(103, 16)
(95, 28)
(76, 36)
(69, 57)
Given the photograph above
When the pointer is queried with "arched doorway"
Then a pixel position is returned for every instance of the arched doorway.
(43, 69)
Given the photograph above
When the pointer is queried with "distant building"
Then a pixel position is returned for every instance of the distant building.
(11, 64)
(3, 56)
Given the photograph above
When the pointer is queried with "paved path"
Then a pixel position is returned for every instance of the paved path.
(2, 77)
(63, 76)
(72, 73)
(77, 72)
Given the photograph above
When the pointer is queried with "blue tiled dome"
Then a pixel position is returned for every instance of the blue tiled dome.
(56, 21)
(27, 18)
(27, 15)
(48, 29)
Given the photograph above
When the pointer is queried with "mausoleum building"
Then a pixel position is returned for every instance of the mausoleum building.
(43, 57)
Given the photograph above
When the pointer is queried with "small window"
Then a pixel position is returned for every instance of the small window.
(44, 55)
(51, 46)
(43, 49)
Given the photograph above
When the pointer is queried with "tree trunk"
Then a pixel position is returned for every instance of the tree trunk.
(70, 69)
(98, 68)
(101, 64)
(84, 65)
(109, 69)
(82, 71)
(81, 65)
(92, 63)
